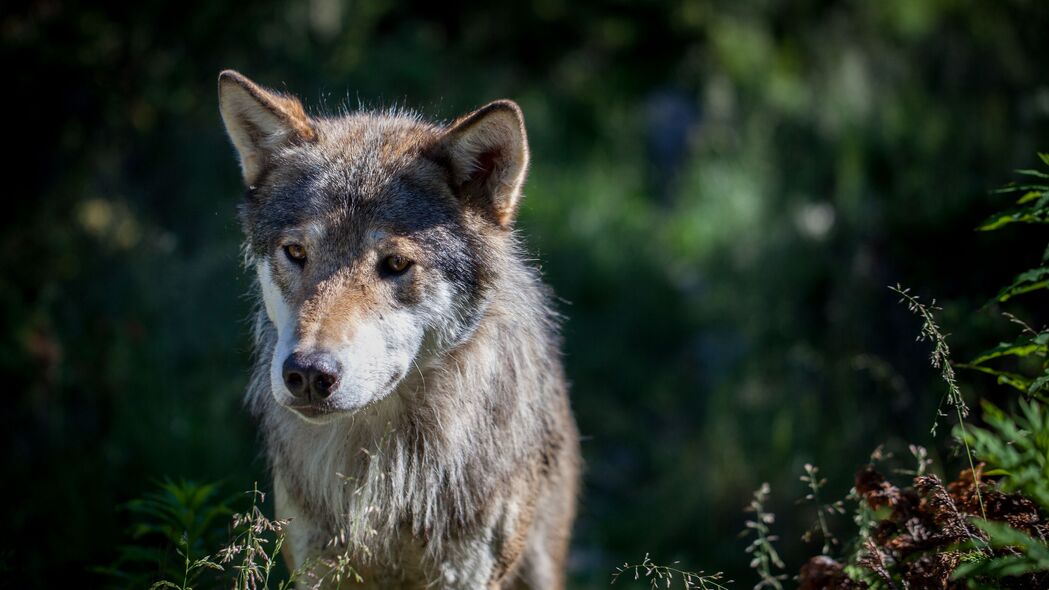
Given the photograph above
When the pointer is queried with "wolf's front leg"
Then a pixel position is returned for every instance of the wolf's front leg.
(491, 559)
(303, 550)
(295, 537)
(468, 564)
(303, 538)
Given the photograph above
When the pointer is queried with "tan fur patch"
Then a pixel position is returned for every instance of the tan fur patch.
(329, 316)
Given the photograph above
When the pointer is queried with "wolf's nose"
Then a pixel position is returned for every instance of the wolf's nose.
(311, 376)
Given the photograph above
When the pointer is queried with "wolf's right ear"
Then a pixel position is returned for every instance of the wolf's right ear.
(487, 152)
(259, 121)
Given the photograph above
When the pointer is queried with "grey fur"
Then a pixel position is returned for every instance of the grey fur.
(464, 473)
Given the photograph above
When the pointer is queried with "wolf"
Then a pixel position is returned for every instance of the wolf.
(407, 382)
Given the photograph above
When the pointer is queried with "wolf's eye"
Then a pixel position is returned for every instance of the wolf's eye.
(296, 253)
(396, 264)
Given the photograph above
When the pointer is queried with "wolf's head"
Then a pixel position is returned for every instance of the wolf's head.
(373, 236)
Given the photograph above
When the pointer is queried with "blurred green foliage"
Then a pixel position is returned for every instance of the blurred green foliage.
(188, 517)
(720, 194)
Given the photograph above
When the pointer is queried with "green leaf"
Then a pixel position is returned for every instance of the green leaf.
(1039, 384)
(1016, 443)
(1002, 535)
(1033, 557)
(1004, 218)
(1030, 172)
(1014, 380)
(1012, 188)
(1030, 196)
(1021, 348)
(1032, 280)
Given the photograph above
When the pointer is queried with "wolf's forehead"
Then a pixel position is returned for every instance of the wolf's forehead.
(363, 172)
(361, 157)
(366, 145)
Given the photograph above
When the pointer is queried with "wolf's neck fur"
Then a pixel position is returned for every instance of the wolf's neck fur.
(429, 456)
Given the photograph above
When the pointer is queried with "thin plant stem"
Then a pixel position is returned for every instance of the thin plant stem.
(940, 359)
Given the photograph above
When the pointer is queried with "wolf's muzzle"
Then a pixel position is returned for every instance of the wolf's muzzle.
(311, 377)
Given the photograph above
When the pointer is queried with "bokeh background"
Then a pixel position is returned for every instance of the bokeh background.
(721, 193)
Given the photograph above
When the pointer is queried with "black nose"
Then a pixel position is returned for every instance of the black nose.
(311, 376)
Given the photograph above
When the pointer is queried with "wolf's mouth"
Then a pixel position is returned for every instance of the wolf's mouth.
(309, 411)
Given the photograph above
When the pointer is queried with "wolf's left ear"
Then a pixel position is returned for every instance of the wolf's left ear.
(487, 151)
(259, 121)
